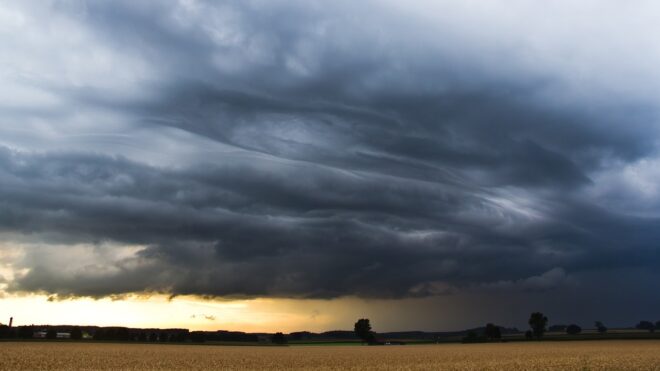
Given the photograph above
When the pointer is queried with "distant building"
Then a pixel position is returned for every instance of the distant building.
(42, 334)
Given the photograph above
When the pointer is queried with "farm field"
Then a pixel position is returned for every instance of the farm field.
(583, 355)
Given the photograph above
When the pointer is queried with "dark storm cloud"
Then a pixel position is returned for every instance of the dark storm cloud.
(358, 156)
(250, 230)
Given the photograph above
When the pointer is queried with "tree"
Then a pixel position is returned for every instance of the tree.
(76, 333)
(363, 330)
(600, 327)
(645, 325)
(492, 332)
(528, 335)
(278, 338)
(573, 329)
(538, 322)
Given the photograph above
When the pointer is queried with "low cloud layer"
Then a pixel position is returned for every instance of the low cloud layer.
(316, 150)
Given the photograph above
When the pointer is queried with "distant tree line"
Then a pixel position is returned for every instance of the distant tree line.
(19, 332)
(648, 325)
(328, 335)
(126, 334)
(538, 326)
(228, 336)
(27, 332)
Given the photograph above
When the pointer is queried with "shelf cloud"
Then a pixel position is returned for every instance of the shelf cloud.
(308, 149)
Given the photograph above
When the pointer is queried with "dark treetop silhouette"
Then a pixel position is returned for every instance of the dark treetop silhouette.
(363, 330)
(538, 323)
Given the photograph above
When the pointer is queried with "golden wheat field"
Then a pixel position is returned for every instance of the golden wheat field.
(582, 355)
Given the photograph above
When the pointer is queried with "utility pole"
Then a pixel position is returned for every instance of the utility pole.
(11, 320)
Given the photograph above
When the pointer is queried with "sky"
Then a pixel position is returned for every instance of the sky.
(296, 165)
